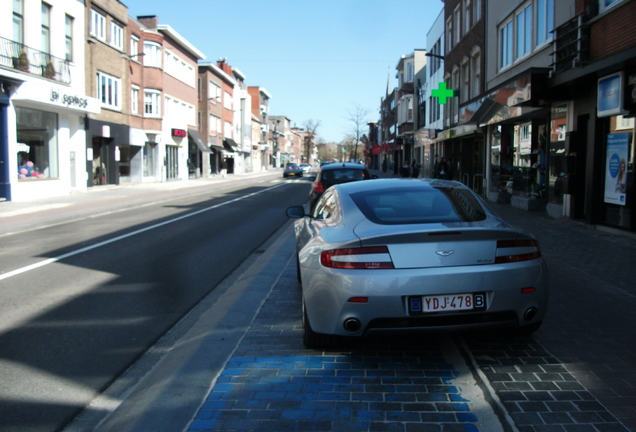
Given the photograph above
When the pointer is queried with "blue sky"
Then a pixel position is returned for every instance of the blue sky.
(319, 59)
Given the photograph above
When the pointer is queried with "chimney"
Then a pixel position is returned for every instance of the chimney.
(149, 21)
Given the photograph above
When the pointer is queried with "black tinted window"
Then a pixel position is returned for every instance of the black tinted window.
(343, 175)
(411, 205)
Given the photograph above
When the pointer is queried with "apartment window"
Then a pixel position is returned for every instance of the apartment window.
(214, 92)
(227, 100)
(458, 23)
(545, 20)
(215, 124)
(46, 28)
(606, 4)
(449, 34)
(152, 54)
(228, 130)
(465, 77)
(505, 44)
(151, 103)
(116, 36)
(178, 68)
(98, 25)
(134, 48)
(476, 11)
(467, 16)
(134, 100)
(453, 101)
(18, 21)
(68, 37)
(409, 72)
(109, 90)
(524, 31)
(435, 62)
(475, 66)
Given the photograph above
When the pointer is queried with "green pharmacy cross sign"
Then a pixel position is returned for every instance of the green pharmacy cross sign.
(442, 93)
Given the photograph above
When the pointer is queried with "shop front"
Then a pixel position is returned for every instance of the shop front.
(46, 139)
(139, 159)
(520, 136)
(591, 139)
(104, 145)
(198, 154)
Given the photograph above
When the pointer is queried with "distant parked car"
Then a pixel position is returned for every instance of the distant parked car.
(405, 255)
(292, 170)
(336, 173)
(305, 167)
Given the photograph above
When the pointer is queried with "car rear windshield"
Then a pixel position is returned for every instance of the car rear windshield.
(343, 175)
(425, 205)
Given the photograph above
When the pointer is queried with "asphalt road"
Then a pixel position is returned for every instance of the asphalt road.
(112, 286)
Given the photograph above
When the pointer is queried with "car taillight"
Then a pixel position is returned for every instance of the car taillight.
(376, 257)
(517, 250)
(318, 187)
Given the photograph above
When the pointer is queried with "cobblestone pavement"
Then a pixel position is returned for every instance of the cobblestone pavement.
(272, 383)
(576, 374)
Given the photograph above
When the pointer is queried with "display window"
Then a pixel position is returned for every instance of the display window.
(37, 144)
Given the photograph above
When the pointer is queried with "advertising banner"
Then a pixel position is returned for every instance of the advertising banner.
(616, 167)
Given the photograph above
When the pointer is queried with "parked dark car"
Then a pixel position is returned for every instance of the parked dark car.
(336, 173)
(292, 170)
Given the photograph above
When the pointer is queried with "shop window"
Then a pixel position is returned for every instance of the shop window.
(149, 157)
(558, 163)
(37, 144)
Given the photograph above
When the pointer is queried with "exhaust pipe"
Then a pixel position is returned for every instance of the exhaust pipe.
(530, 314)
(352, 325)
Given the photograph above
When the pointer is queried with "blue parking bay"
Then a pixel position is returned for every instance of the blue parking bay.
(272, 383)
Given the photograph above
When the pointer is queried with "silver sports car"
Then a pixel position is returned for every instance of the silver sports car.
(413, 255)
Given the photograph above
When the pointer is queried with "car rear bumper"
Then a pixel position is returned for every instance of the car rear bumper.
(327, 292)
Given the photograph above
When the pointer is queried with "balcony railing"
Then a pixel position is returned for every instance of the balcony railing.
(14, 55)
(571, 45)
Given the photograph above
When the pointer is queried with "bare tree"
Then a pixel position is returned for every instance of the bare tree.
(358, 117)
(309, 140)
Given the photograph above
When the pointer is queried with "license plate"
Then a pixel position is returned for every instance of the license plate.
(447, 303)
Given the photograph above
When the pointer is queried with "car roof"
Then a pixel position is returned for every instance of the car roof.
(337, 165)
(378, 184)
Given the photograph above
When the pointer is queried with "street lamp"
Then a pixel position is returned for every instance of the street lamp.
(441, 57)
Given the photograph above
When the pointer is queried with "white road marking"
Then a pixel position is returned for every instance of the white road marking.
(125, 236)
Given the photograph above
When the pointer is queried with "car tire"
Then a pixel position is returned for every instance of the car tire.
(311, 339)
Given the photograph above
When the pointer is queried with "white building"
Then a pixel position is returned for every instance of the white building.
(43, 101)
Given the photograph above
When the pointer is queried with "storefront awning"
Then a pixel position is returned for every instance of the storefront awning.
(230, 146)
(196, 137)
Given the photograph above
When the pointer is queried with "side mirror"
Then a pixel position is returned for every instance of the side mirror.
(296, 212)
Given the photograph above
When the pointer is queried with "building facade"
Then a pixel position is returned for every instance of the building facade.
(43, 99)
